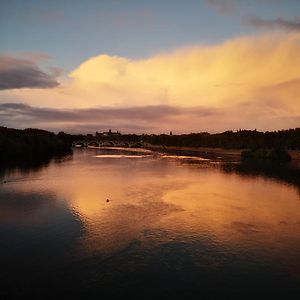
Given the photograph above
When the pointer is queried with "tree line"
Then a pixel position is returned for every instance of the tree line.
(31, 144)
(36, 144)
(241, 139)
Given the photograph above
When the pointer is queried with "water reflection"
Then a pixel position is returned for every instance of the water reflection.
(172, 226)
(288, 173)
(37, 231)
(28, 166)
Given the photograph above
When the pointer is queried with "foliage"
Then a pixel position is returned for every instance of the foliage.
(272, 154)
(32, 144)
(242, 139)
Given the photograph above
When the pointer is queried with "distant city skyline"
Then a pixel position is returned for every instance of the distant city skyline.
(150, 66)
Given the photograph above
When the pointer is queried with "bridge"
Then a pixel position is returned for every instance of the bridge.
(106, 143)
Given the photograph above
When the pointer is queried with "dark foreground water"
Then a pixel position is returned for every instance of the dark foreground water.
(173, 227)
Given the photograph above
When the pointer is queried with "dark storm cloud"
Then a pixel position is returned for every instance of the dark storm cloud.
(18, 73)
(127, 118)
(144, 113)
(149, 119)
(278, 23)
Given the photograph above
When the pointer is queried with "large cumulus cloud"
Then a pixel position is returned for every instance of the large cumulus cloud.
(247, 82)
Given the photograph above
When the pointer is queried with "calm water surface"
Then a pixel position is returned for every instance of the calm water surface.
(173, 227)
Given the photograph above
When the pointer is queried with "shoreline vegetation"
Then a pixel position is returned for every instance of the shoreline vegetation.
(35, 145)
(32, 146)
(206, 151)
(281, 145)
(260, 154)
(266, 154)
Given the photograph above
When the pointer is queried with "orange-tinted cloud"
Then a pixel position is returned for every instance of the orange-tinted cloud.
(209, 75)
(253, 81)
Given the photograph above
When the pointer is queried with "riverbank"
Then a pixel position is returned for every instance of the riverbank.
(210, 151)
(206, 151)
(30, 146)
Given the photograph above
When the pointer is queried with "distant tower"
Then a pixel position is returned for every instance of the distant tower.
(109, 131)
(171, 133)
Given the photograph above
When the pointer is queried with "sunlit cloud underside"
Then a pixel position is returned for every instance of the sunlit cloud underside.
(248, 82)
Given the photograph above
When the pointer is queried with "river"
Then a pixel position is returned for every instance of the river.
(149, 225)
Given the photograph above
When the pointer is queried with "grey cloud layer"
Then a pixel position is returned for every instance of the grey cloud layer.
(23, 73)
(150, 119)
(131, 118)
(278, 23)
(228, 6)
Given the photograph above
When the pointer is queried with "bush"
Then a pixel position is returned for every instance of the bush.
(32, 144)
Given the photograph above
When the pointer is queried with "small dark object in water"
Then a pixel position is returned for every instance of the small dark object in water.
(4, 181)
(107, 200)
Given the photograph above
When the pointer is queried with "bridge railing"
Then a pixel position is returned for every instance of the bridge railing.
(106, 143)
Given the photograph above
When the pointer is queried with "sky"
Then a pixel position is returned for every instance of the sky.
(142, 66)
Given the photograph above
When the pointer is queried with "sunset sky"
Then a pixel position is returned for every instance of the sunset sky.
(150, 66)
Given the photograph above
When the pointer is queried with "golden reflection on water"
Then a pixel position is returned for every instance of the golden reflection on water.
(183, 200)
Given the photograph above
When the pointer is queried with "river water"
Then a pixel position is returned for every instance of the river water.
(147, 225)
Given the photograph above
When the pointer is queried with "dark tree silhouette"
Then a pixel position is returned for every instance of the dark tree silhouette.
(32, 145)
